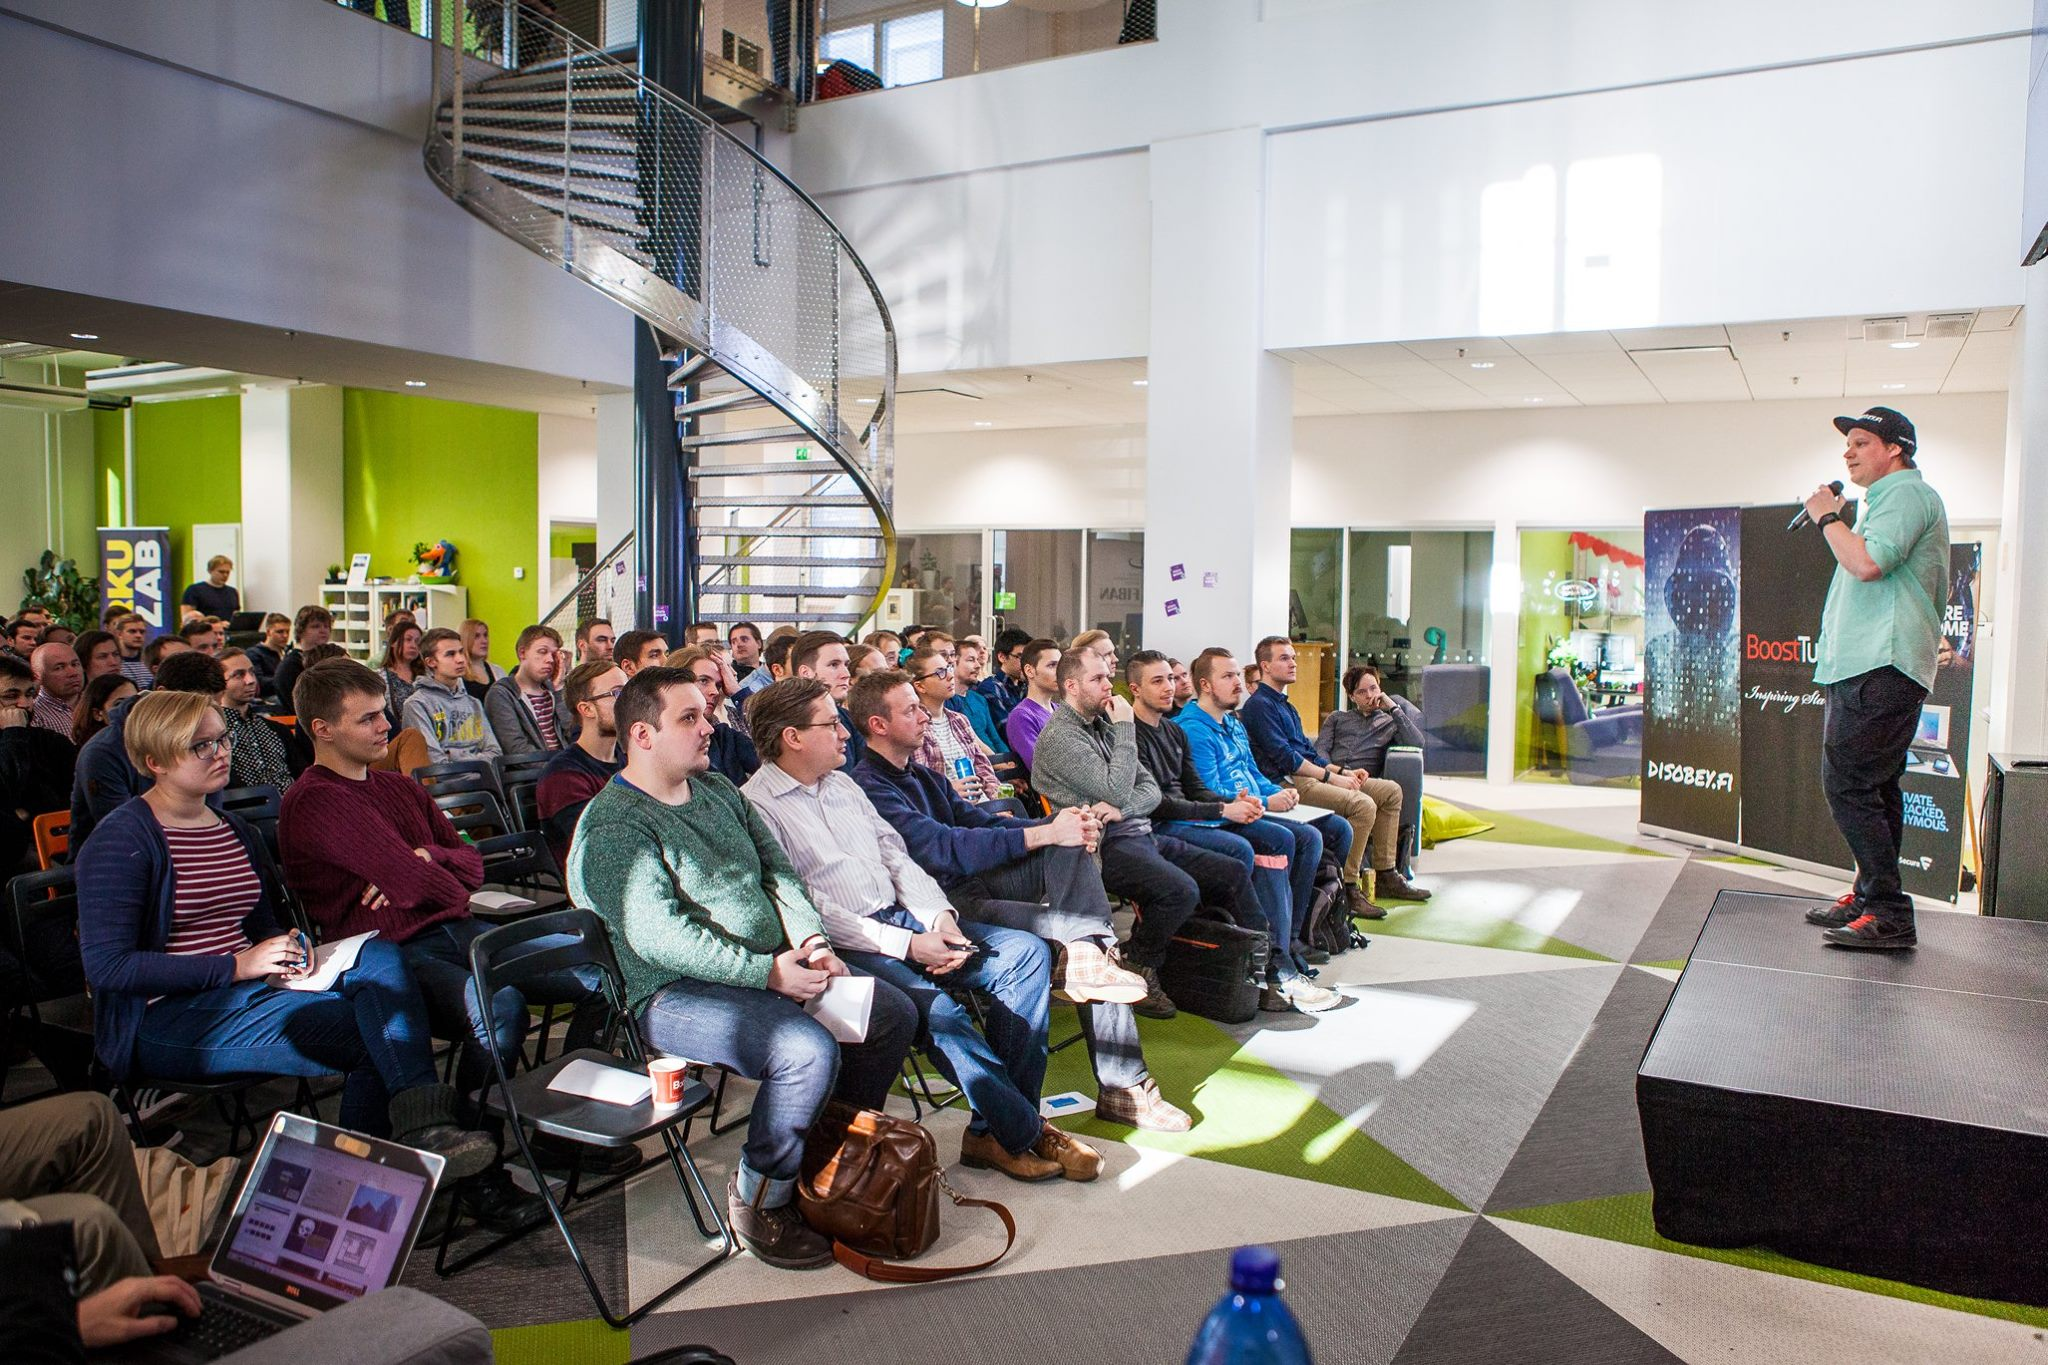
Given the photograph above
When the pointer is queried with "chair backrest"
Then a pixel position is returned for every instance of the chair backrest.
(479, 814)
(253, 803)
(520, 858)
(433, 775)
(559, 940)
(1557, 699)
(522, 767)
(524, 801)
(42, 931)
(53, 838)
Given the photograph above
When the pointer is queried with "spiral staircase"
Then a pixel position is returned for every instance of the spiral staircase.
(778, 345)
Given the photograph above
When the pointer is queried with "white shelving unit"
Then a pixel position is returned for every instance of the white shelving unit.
(359, 613)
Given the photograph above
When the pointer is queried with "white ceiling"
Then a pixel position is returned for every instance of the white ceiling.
(1802, 358)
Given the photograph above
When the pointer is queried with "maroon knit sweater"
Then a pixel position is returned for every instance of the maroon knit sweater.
(340, 836)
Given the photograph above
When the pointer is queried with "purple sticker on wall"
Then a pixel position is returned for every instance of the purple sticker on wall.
(661, 613)
(1173, 606)
(618, 566)
(1176, 572)
(1208, 580)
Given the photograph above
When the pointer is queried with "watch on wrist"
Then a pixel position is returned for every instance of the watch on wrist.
(1827, 519)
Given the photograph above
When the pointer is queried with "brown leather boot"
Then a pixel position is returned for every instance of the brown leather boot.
(1073, 1158)
(982, 1152)
(1389, 884)
(778, 1237)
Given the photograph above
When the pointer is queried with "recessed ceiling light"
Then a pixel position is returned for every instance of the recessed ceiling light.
(1482, 364)
(1532, 400)
(1904, 345)
(85, 336)
(1895, 386)
(1140, 383)
(984, 424)
(415, 383)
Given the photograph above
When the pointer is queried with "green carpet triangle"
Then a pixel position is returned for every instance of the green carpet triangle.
(1626, 1218)
(1520, 829)
(1247, 1113)
(1453, 924)
(1672, 964)
(587, 1342)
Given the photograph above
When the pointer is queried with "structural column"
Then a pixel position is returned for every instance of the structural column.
(2019, 611)
(291, 494)
(1219, 413)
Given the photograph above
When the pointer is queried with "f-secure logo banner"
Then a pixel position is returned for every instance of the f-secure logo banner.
(135, 566)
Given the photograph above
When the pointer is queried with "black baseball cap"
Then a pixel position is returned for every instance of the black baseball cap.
(1887, 424)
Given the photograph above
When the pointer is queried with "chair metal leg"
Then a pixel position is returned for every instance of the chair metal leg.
(718, 1128)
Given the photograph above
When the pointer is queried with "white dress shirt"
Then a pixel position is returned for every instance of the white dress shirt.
(853, 862)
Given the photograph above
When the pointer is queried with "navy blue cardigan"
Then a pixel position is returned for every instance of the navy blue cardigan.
(126, 891)
(954, 840)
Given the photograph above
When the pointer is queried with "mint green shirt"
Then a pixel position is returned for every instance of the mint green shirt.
(1893, 620)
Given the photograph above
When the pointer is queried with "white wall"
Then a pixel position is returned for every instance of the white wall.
(1022, 480)
(568, 488)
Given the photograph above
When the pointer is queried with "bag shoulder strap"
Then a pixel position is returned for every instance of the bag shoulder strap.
(896, 1272)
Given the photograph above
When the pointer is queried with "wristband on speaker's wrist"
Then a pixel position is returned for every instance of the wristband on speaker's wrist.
(1828, 519)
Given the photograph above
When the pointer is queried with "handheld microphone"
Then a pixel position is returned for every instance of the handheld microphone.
(1802, 519)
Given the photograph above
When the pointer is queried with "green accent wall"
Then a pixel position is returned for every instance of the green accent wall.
(1546, 557)
(188, 470)
(563, 537)
(425, 469)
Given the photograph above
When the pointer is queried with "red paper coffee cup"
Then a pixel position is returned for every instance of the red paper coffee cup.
(667, 1074)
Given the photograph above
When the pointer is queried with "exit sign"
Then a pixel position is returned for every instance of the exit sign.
(803, 452)
(1006, 601)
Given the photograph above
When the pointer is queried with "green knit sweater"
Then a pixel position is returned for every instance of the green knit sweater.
(699, 890)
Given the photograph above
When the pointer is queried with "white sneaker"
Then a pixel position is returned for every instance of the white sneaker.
(1310, 998)
(150, 1102)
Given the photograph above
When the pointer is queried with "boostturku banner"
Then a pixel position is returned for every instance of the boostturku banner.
(134, 564)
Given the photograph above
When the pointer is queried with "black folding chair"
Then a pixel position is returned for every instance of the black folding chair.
(515, 768)
(508, 955)
(519, 780)
(459, 774)
(260, 806)
(478, 814)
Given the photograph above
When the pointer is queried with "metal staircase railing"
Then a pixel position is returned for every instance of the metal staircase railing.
(603, 593)
(780, 344)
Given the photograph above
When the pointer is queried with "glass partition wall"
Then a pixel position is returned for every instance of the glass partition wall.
(1053, 583)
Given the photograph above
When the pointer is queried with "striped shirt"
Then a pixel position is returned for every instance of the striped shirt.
(542, 704)
(216, 888)
(137, 672)
(853, 862)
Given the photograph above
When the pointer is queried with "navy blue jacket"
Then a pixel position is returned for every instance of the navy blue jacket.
(954, 840)
(126, 893)
(733, 755)
(1002, 697)
(1279, 744)
(105, 780)
(856, 743)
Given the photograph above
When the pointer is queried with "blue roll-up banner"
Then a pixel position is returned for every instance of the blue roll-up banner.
(135, 563)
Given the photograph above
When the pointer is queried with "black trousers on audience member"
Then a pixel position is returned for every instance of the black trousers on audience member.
(1870, 723)
(1169, 879)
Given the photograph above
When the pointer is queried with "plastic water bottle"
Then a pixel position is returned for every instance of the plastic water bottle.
(1250, 1325)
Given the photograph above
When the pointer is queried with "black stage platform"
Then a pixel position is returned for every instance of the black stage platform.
(1883, 1113)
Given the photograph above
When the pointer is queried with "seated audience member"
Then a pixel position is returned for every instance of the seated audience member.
(179, 932)
(950, 747)
(400, 665)
(67, 1159)
(312, 626)
(940, 641)
(1005, 686)
(1360, 737)
(131, 630)
(1037, 875)
(1280, 856)
(913, 638)
(886, 916)
(441, 708)
(198, 633)
(721, 948)
(762, 672)
(320, 654)
(743, 638)
(1183, 687)
(39, 615)
(822, 655)
(862, 660)
(22, 637)
(478, 671)
(266, 654)
(1371, 804)
(263, 753)
(60, 633)
(887, 643)
(732, 750)
(369, 850)
(594, 640)
(99, 652)
(700, 634)
(638, 649)
(525, 707)
(216, 596)
(60, 679)
(36, 765)
(1222, 757)
(1088, 756)
(1041, 663)
(101, 695)
(163, 647)
(107, 779)
(970, 700)
(581, 769)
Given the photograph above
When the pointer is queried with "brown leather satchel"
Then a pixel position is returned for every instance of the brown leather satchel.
(871, 1183)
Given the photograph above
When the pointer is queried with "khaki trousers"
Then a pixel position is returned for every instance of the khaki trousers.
(67, 1159)
(1374, 814)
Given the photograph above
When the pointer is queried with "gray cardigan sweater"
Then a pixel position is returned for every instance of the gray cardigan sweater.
(512, 719)
(1081, 762)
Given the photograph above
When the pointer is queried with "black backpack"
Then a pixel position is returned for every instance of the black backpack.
(1328, 925)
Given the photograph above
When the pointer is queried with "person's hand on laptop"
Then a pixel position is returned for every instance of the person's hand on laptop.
(131, 1309)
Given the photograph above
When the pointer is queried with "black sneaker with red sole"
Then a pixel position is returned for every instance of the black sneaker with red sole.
(1868, 931)
(1836, 915)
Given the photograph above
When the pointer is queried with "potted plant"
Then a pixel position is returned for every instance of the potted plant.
(335, 575)
(58, 588)
(928, 569)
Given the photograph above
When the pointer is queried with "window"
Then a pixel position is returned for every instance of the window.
(902, 50)
(856, 45)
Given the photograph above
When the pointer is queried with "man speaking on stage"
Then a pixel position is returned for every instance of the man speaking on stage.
(1879, 634)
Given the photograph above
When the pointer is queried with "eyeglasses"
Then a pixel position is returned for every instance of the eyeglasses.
(612, 695)
(942, 671)
(814, 725)
(210, 749)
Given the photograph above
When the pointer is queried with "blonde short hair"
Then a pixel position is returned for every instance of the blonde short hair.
(1088, 639)
(161, 725)
(219, 562)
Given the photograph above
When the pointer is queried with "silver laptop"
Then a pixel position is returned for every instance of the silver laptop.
(324, 1217)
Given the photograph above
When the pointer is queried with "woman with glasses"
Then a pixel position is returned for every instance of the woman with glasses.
(950, 748)
(192, 972)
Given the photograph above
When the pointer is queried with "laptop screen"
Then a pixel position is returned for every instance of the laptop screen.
(325, 1215)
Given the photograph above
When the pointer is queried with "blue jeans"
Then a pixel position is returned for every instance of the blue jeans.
(1000, 1073)
(768, 1038)
(439, 960)
(372, 1027)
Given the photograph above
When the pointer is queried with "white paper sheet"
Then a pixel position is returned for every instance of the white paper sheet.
(843, 1007)
(1300, 814)
(499, 902)
(609, 1084)
(330, 960)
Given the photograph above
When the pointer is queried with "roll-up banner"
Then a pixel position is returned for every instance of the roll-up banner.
(1930, 854)
(1692, 747)
(135, 562)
